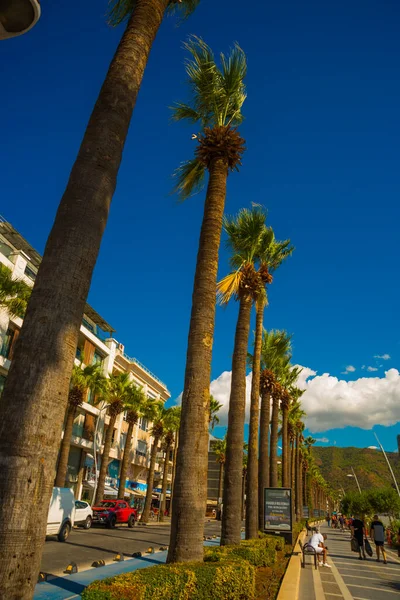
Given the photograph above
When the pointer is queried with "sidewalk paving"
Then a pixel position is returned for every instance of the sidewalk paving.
(349, 578)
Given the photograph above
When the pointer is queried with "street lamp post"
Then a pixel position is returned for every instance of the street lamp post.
(388, 464)
(352, 474)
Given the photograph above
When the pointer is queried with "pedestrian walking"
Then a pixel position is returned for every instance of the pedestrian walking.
(377, 531)
(358, 532)
(328, 519)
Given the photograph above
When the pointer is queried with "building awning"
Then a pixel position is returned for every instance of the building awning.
(110, 491)
(136, 493)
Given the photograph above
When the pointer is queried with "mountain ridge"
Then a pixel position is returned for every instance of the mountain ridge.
(369, 466)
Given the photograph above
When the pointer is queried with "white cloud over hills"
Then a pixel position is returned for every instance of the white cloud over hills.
(331, 402)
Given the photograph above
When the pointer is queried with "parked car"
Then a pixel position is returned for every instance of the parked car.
(60, 517)
(83, 514)
(111, 512)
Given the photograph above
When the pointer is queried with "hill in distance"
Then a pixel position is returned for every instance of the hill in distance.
(369, 465)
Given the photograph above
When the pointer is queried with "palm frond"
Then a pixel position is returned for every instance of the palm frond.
(228, 287)
(184, 7)
(234, 70)
(190, 177)
(183, 111)
(120, 10)
(217, 94)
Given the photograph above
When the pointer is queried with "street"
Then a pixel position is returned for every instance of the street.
(84, 547)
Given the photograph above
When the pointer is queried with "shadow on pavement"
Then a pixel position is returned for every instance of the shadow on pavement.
(66, 584)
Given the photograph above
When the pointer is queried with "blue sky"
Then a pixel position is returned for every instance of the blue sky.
(322, 133)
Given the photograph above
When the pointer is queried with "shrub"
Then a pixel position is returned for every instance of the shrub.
(223, 580)
(258, 552)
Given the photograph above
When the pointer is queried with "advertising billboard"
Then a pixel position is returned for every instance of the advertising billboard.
(277, 509)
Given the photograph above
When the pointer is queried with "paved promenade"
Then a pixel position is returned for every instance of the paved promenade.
(350, 578)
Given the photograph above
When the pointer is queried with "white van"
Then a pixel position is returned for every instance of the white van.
(60, 518)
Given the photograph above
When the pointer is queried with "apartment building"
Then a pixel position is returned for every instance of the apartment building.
(96, 344)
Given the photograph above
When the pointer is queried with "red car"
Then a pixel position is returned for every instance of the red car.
(111, 512)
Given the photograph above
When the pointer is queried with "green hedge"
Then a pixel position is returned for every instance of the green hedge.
(259, 552)
(224, 580)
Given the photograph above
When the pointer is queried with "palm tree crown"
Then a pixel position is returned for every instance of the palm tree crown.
(217, 97)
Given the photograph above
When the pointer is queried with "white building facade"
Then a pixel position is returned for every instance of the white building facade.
(96, 344)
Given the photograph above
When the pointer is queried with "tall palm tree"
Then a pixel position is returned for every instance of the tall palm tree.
(269, 256)
(288, 391)
(171, 425)
(245, 283)
(117, 393)
(134, 404)
(275, 346)
(218, 94)
(14, 293)
(83, 378)
(157, 414)
(298, 490)
(176, 445)
(50, 331)
(219, 447)
(309, 442)
(215, 407)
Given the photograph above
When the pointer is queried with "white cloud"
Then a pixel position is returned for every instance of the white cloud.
(373, 448)
(363, 367)
(349, 369)
(382, 356)
(371, 369)
(322, 440)
(330, 402)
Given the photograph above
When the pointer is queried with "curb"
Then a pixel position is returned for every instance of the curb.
(290, 586)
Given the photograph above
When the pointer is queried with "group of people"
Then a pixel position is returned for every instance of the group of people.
(358, 533)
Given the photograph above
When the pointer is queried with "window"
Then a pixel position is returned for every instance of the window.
(79, 504)
(122, 441)
(79, 421)
(30, 273)
(141, 449)
(97, 359)
(143, 424)
(5, 250)
(7, 342)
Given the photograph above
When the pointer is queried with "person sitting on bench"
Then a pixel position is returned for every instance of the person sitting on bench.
(318, 543)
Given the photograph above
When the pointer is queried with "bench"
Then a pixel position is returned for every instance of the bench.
(306, 549)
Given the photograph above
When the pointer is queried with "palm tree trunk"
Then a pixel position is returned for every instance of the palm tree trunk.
(150, 481)
(252, 456)
(65, 447)
(273, 456)
(263, 464)
(285, 449)
(293, 475)
(164, 483)
(297, 478)
(104, 460)
(242, 508)
(220, 488)
(300, 489)
(30, 433)
(231, 525)
(174, 471)
(190, 489)
(125, 460)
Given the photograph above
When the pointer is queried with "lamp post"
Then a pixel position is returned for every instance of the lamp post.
(388, 464)
(352, 474)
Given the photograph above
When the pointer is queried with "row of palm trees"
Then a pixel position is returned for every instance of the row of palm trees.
(116, 394)
(38, 382)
